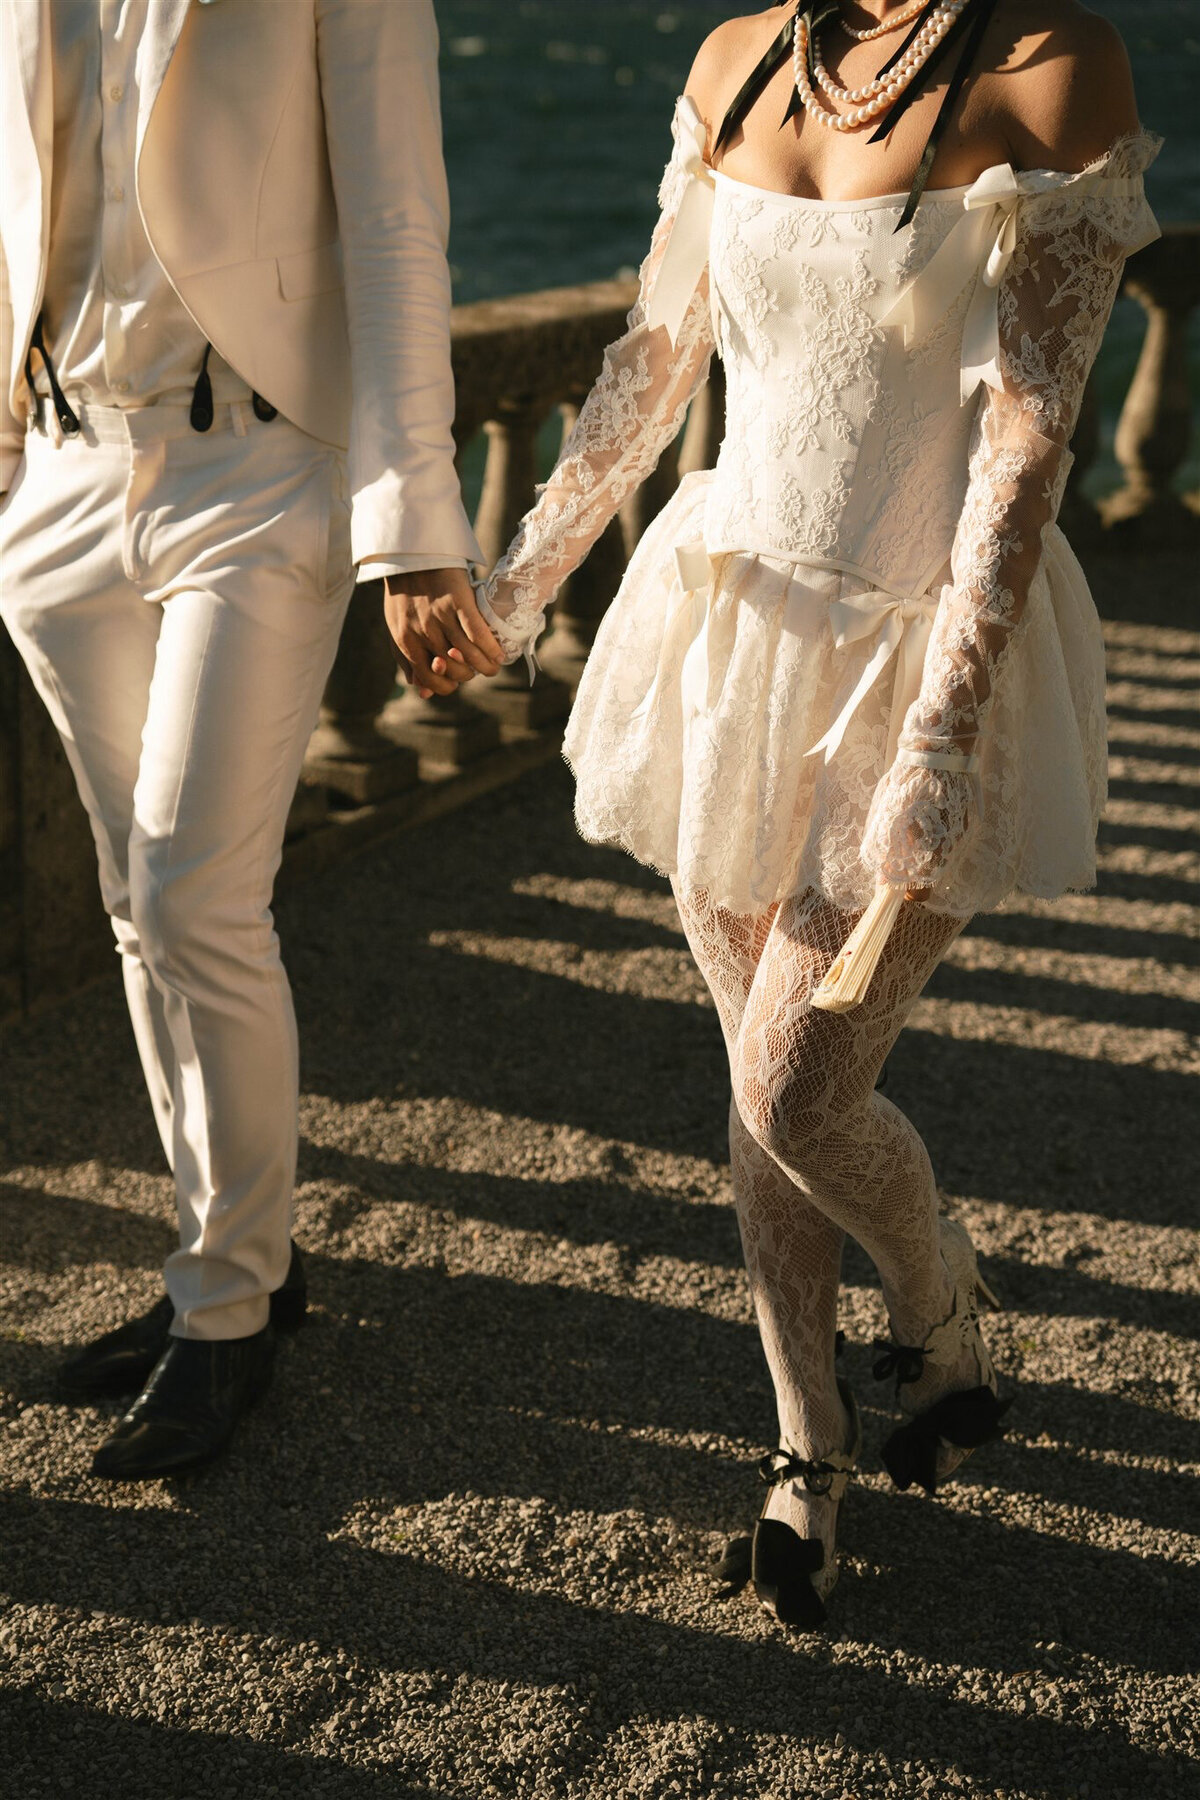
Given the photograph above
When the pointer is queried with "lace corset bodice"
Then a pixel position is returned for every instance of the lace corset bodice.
(842, 444)
(900, 405)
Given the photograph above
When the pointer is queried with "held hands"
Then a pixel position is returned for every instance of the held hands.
(441, 637)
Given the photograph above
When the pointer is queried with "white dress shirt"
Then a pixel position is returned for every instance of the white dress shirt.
(117, 331)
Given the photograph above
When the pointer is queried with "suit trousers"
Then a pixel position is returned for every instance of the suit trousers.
(177, 599)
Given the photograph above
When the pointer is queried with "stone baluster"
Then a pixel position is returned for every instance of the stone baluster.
(706, 423)
(647, 501)
(348, 753)
(1077, 516)
(695, 448)
(1155, 426)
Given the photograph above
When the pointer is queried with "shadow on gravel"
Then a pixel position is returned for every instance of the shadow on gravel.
(374, 1604)
(1068, 999)
(1056, 1292)
(1086, 937)
(417, 1389)
(581, 1210)
(172, 1760)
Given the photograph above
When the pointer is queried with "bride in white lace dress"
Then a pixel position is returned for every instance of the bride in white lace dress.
(854, 668)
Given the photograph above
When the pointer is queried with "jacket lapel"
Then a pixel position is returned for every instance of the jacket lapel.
(164, 22)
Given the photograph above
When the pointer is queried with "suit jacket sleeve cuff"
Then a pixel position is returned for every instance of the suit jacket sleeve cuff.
(383, 517)
(375, 568)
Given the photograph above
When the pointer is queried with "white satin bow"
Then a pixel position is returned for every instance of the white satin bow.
(686, 253)
(977, 249)
(691, 618)
(903, 624)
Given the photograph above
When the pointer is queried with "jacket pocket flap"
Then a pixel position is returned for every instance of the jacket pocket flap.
(308, 272)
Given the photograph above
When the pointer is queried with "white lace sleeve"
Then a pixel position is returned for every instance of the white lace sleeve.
(633, 412)
(1054, 300)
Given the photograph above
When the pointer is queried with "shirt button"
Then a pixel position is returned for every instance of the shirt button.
(121, 387)
(116, 192)
(116, 91)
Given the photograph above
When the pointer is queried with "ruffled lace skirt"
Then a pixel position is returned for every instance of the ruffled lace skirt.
(691, 732)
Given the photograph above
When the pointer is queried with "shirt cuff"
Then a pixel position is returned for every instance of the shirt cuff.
(375, 568)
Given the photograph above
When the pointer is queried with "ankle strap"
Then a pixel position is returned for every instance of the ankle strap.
(904, 1361)
(780, 1466)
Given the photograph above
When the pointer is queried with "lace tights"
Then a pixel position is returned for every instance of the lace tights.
(816, 1152)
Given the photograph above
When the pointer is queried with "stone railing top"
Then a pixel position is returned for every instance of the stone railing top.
(532, 350)
(529, 351)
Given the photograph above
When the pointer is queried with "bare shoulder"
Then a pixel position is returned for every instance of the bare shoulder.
(726, 57)
(1064, 85)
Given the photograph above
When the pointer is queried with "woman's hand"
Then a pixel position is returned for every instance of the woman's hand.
(918, 825)
(441, 637)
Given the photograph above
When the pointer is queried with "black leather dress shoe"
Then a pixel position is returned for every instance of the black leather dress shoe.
(187, 1411)
(121, 1361)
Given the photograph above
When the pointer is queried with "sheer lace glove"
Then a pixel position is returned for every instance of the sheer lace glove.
(517, 629)
(921, 816)
(633, 412)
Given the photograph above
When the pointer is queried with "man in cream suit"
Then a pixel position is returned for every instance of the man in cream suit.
(226, 381)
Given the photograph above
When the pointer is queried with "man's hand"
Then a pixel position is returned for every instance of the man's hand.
(441, 637)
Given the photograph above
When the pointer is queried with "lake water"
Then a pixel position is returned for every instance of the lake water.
(557, 121)
(557, 125)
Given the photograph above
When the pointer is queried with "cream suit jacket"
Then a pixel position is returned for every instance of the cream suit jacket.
(291, 183)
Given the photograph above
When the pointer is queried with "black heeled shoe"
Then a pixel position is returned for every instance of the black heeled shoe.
(939, 1436)
(122, 1360)
(188, 1410)
(791, 1575)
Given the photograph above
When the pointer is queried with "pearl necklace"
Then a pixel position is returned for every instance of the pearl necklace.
(890, 24)
(878, 95)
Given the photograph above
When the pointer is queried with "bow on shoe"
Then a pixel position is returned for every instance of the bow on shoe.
(732, 1569)
(967, 1419)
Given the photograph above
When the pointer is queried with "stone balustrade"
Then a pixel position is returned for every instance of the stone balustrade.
(380, 758)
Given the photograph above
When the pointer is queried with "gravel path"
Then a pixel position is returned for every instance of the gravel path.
(460, 1552)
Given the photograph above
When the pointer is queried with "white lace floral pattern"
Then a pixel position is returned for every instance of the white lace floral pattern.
(635, 409)
(1053, 306)
(850, 477)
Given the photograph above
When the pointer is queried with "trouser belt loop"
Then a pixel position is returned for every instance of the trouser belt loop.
(67, 419)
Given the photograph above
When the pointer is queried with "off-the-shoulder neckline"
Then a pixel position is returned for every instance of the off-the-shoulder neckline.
(862, 205)
(1035, 177)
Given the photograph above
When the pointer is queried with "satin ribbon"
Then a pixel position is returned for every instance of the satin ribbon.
(903, 626)
(694, 566)
(903, 623)
(977, 249)
(686, 253)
